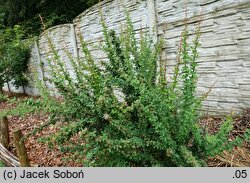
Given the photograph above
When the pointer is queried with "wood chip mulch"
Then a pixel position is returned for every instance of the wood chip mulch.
(41, 155)
(239, 156)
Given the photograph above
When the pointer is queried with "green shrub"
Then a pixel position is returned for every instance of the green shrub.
(2, 164)
(154, 124)
(3, 98)
(14, 55)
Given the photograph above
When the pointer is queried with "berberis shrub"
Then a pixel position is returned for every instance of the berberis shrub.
(153, 123)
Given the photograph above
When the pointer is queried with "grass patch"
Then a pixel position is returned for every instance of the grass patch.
(2, 164)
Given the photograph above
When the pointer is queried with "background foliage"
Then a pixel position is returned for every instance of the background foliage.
(14, 55)
(19, 19)
(26, 12)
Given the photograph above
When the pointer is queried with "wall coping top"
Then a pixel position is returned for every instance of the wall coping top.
(55, 27)
(96, 6)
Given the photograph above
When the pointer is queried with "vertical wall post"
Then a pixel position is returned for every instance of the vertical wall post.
(74, 41)
(152, 19)
(41, 64)
(153, 28)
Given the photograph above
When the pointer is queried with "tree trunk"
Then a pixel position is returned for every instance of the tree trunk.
(8, 86)
(23, 89)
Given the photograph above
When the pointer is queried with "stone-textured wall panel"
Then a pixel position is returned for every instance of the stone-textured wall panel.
(88, 23)
(224, 62)
(224, 54)
(62, 39)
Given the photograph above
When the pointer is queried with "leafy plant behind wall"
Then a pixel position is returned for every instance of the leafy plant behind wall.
(156, 123)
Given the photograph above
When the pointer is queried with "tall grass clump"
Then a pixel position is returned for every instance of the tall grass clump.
(154, 123)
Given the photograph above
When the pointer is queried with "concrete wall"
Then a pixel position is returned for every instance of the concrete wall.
(225, 48)
(224, 61)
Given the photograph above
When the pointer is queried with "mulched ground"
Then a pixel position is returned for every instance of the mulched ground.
(240, 156)
(41, 155)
